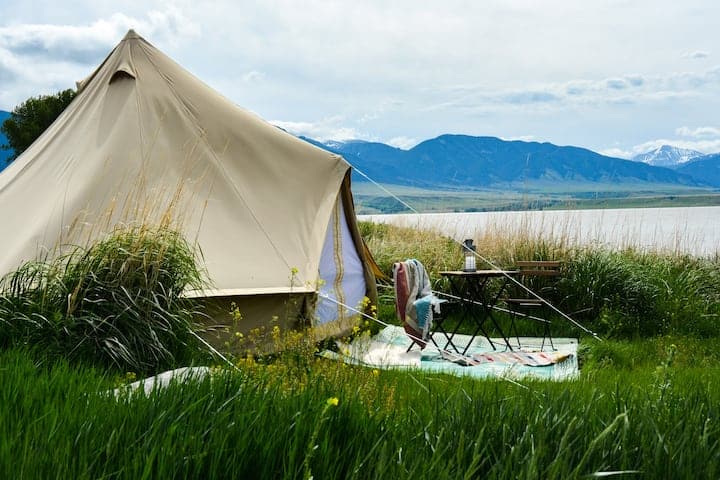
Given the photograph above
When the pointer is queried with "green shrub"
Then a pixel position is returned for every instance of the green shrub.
(117, 303)
(631, 293)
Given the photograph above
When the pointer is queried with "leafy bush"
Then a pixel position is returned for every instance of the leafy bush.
(631, 293)
(31, 118)
(117, 303)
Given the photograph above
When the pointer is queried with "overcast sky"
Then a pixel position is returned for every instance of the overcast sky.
(619, 77)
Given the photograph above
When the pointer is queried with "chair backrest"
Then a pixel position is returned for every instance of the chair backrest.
(539, 275)
(538, 268)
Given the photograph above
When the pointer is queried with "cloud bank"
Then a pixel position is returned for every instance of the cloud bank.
(602, 75)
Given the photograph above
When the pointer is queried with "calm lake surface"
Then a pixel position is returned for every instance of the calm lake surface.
(694, 230)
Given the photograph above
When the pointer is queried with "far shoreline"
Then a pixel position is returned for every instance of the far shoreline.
(467, 202)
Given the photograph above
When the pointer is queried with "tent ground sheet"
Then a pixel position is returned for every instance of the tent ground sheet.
(388, 349)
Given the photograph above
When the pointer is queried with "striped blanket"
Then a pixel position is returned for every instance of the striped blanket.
(414, 300)
(531, 359)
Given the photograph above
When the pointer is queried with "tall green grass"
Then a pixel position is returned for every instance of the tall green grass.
(117, 303)
(631, 293)
(644, 408)
(623, 293)
(328, 420)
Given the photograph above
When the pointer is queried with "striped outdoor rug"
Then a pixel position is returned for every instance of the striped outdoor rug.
(533, 359)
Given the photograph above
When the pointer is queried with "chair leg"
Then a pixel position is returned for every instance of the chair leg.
(513, 327)
(548, 335)
(435, 343)
(413, 343)
(449, 343)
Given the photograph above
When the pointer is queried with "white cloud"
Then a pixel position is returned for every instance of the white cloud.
(253, 76)
(696, 54)
(617, 153)
(404, 143)
(702, 139)
(634, 79)
(83, 43)
(616, 83)
(326, 129)
(699, 132)
(44, 58)
(628, 89)
(524, 138)
(481, 68)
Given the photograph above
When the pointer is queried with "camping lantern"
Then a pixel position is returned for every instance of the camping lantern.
(469, 250)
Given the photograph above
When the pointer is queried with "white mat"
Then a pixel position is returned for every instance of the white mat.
(388, 348)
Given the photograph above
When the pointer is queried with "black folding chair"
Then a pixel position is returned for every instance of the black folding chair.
(537, 276)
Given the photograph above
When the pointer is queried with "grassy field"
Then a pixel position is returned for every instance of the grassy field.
(656, 417)
(646, 404)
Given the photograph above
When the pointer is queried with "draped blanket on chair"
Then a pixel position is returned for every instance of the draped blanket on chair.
(414, 300)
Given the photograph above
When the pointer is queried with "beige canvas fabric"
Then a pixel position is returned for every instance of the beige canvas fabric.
(146, 141)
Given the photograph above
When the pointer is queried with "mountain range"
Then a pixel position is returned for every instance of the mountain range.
(461, 161)
(706, 167)
(689, 162)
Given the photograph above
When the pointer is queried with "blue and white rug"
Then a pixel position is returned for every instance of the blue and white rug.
(388, 348)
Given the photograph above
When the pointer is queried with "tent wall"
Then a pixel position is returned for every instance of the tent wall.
(343, 286)
(259, 314)
(346, 275)
(160, 144)
(346, 267)
(146, 142)
(371, 271)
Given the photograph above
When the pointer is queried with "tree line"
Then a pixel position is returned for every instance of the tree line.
(31, 118)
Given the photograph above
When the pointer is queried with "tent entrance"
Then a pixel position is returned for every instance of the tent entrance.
(342, 276)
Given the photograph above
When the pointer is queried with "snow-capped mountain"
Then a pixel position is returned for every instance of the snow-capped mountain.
(462, 161)
(667, 156)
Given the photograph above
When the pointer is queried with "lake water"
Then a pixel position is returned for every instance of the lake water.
(694, 230)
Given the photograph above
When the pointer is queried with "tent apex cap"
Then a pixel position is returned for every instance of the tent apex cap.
(131, 34)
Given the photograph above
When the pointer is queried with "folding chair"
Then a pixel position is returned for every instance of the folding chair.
(534, 275)
(415, 304)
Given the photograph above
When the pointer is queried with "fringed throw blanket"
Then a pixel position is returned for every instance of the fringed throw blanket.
(414, 301)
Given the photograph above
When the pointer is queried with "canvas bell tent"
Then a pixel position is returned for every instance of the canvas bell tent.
(145, 141)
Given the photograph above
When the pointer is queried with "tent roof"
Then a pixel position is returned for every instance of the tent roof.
(145, 141)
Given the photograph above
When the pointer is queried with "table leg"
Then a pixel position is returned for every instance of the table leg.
(477, 307)
(488, 306)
